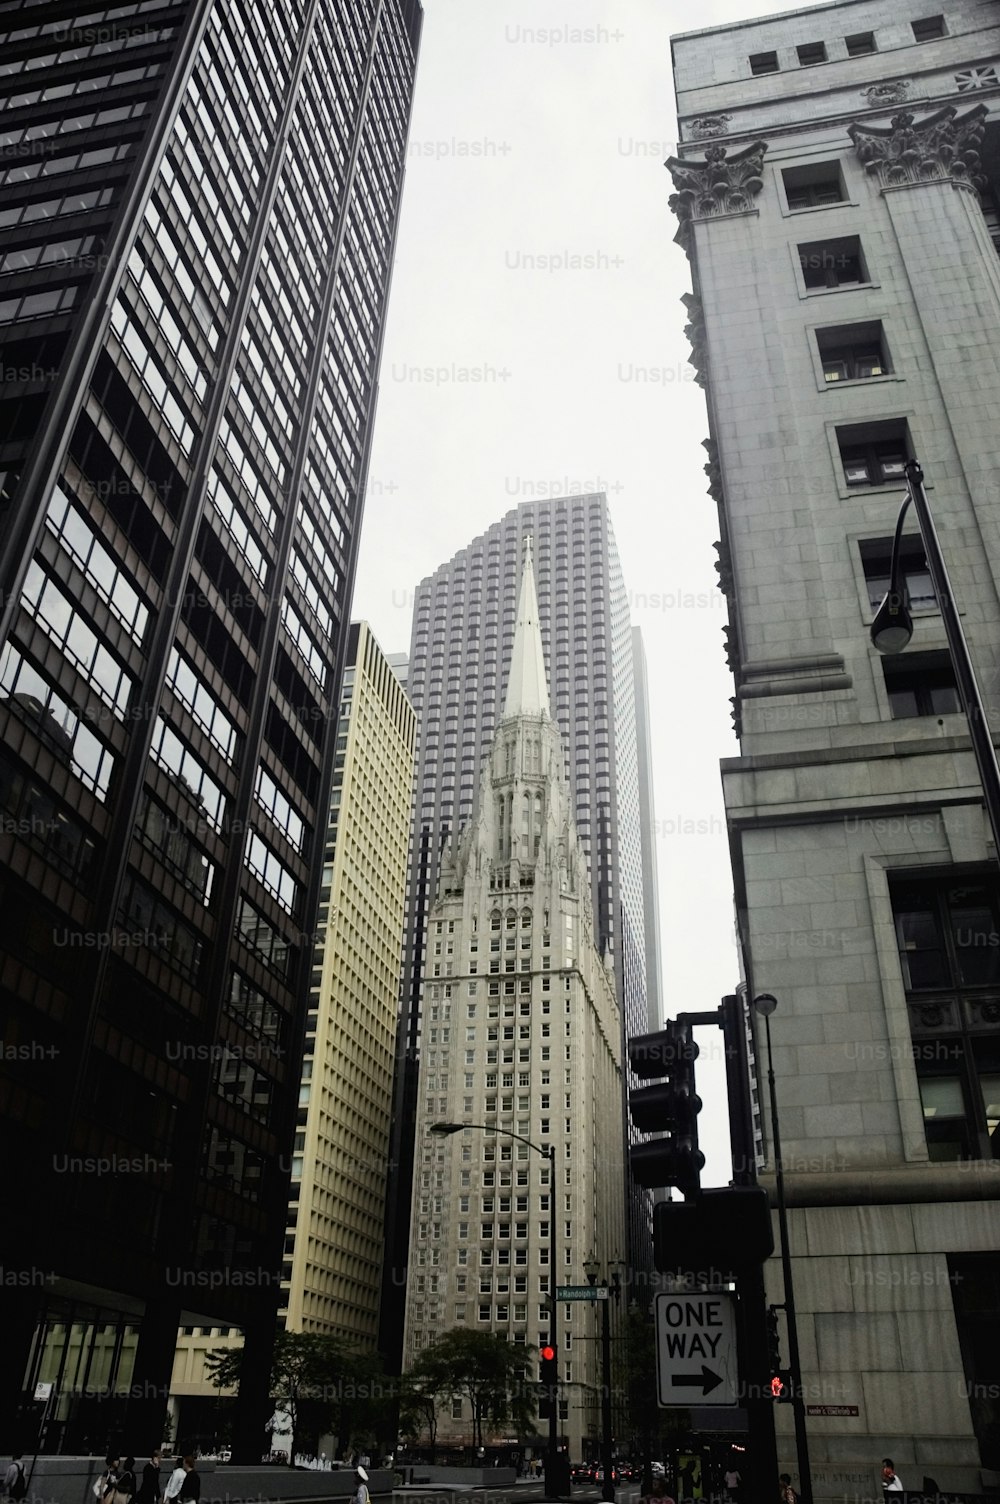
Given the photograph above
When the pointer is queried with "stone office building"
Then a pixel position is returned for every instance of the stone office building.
(463, 629)
(522, 1033)
(836, 187)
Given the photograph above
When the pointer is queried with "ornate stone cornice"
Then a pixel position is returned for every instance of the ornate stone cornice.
(709, 125)
(879, 95)
(713, 470)
(719, 185)
(695, 331)
(724, 568)
(942, 146)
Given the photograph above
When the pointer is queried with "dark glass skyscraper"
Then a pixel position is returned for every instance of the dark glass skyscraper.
(199, 204)
(463, 632)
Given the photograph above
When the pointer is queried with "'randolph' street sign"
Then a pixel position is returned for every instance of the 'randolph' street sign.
(581, 1292)
(696, 1350)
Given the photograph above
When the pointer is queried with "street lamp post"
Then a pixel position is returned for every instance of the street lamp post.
(591, 1269)
(554, 1483)
(892, 629)
(765, 1005)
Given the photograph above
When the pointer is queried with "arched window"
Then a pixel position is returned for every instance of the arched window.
(495, 919)
(526, 919)
(512, 919)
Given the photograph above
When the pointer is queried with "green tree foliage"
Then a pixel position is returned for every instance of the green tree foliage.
(485, 1370)
(320, 1382)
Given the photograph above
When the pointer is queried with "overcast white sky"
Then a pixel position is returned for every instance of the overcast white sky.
(536, 260)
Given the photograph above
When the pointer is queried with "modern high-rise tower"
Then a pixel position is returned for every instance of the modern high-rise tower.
(522, 1035)
(836, 187)
(199, 202)
(462, 637)
(336, 1216)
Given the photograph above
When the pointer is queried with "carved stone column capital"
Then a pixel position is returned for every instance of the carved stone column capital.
(719, 185)
(942, 146)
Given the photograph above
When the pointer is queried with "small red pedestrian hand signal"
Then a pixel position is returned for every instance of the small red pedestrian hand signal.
(777, 1387)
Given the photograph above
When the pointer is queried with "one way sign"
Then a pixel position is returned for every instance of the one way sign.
(696, 1349)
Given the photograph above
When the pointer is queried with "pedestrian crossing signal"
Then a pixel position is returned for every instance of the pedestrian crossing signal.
(781, 1387)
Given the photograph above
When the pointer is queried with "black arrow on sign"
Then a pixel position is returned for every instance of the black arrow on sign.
(706, 1381)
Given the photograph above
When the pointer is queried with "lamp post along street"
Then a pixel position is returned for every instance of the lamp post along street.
(555, 1485)
(893, 626)
(765, 1005)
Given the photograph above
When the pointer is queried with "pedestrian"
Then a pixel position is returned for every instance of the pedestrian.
(891, 1482)
(15, 1484)
(786, 1493)
(190, 1490)
(106, 1482)
(124, 1485)
(149, 1490)
(732, 1481)
(175, 1481)
(361, 1494)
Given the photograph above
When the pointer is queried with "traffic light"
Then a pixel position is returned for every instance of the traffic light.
(781, 1386)
(671, 1106)
(548, 1368)
(773, 1342)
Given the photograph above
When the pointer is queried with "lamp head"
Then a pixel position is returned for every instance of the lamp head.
(444, 1129)
(893, 625)
(591, 1269)
(765, 1003)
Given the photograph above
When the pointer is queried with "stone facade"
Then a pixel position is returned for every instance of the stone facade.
(521, 1034)
(850, 301)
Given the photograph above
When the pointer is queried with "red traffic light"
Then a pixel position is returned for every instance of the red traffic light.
(547, 1354)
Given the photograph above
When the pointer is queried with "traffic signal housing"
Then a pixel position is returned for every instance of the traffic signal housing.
(727, 1229)
(671, 1106)
(548, 1366)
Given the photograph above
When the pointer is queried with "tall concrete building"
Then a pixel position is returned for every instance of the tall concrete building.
(521, 1033)
(462, 636)
(836, 186)
(336, 1217)
(199, 204)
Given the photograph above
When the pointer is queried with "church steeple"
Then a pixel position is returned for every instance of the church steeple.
(527, 691)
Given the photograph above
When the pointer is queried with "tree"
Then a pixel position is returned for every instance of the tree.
(314, 1379)
(484, 1369)
(418, 1407)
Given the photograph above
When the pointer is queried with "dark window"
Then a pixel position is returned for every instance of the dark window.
(763, 62)
(921, 684)
(876, 557)
(948, 936)
(975, 1288)
(833, 263)
(928, 28)
(860, 44)
(853, 352)
(811, 53)
(812, 185)
(873, 454)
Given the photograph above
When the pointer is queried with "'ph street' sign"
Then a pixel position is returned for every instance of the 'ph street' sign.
(696, 1349)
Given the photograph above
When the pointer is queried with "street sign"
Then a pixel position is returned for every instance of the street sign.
(696, 1360)
(581, 1292)
(43, 1391)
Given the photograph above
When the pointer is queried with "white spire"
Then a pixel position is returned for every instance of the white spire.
(527, 691)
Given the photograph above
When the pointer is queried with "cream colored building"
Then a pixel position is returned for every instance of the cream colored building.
(336, 1215)
(335, 1234)
(521, 1032)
